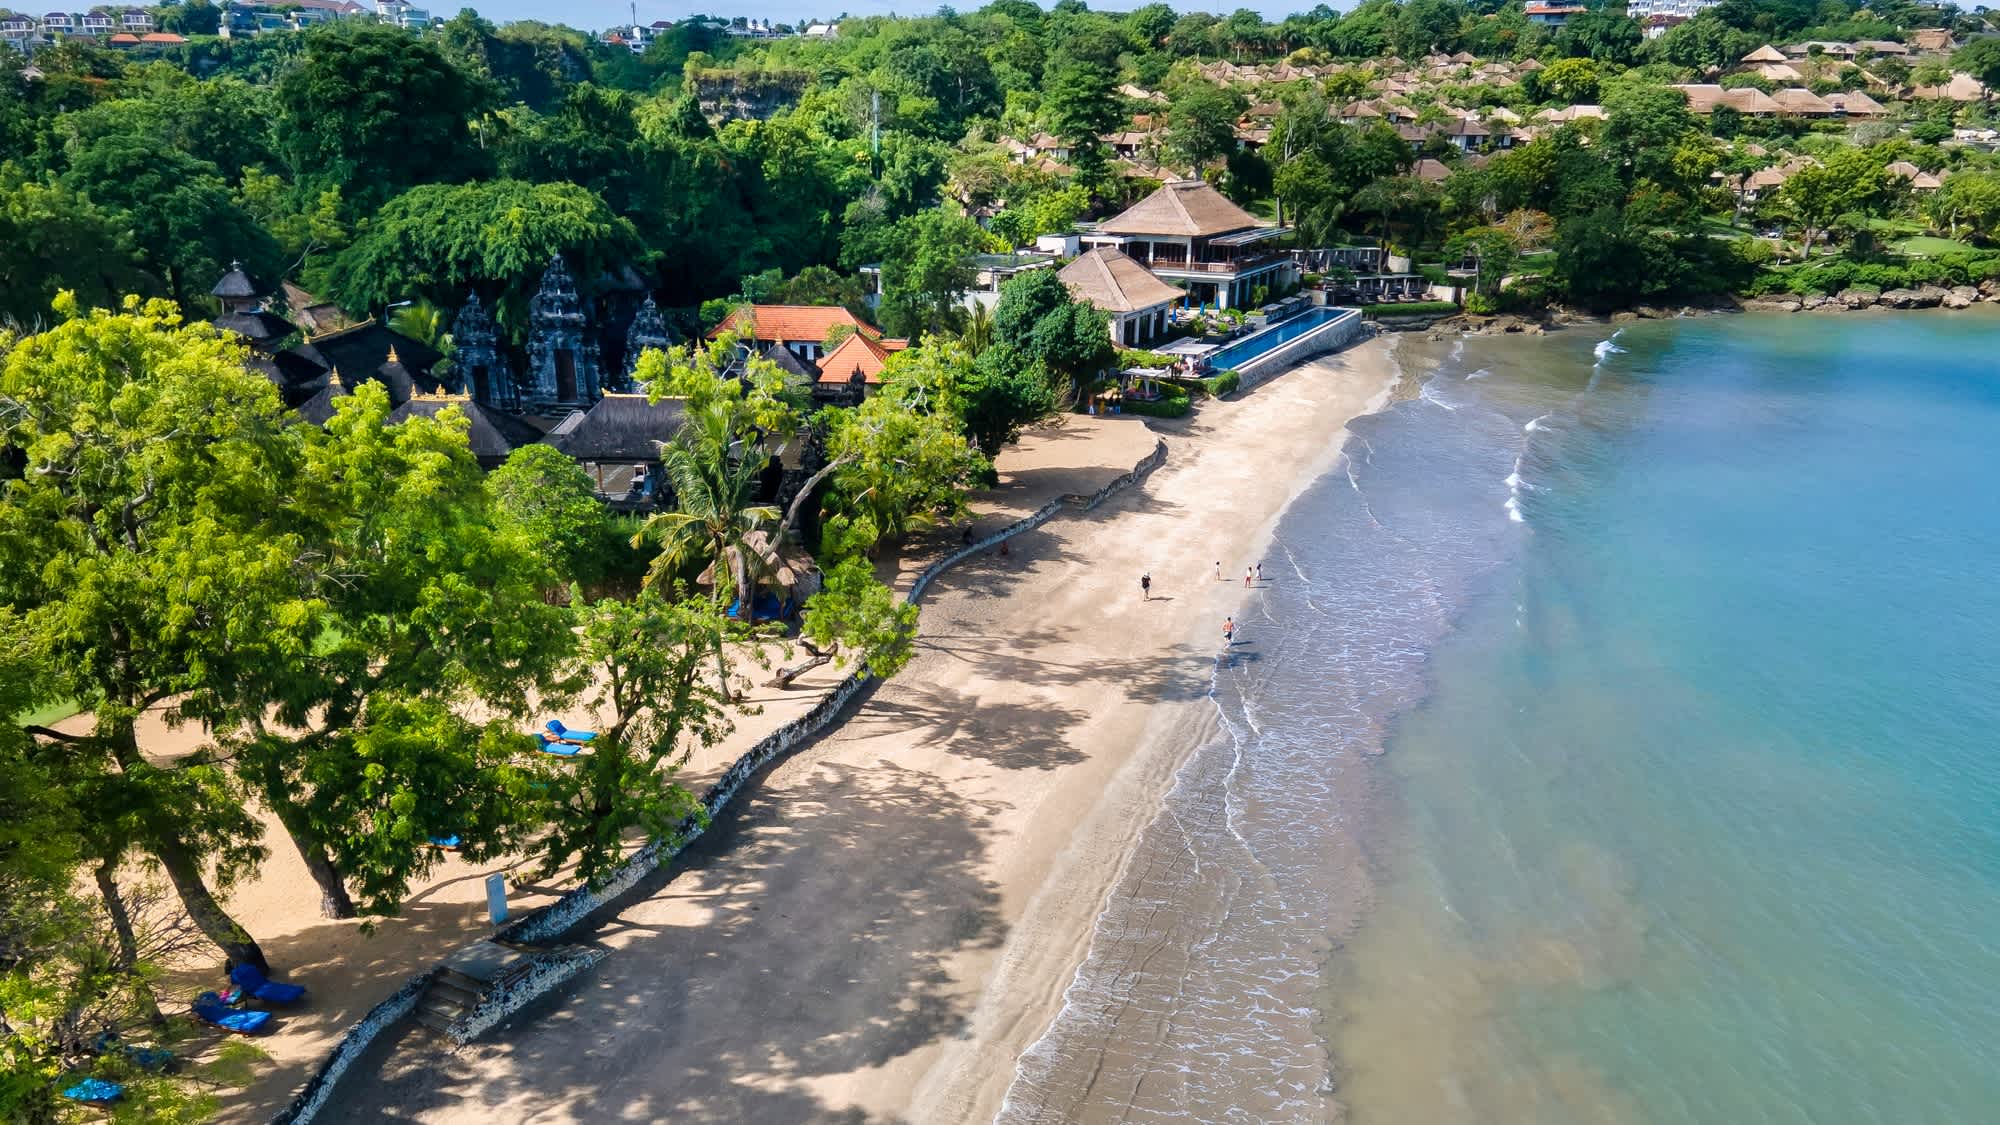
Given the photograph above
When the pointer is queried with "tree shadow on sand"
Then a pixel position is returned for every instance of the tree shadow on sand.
(642, 1037)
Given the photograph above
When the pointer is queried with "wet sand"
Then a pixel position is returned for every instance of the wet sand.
(893, 913)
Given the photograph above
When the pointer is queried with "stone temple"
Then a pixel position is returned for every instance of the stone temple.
(562, 347)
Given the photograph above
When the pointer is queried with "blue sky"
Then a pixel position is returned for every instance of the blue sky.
(596, 14)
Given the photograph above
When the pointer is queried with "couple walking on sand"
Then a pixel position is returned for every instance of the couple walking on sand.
(1249, 572)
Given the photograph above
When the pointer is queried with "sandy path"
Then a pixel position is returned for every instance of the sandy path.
(893, 913)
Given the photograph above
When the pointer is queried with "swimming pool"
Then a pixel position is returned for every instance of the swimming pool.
(1270, 339)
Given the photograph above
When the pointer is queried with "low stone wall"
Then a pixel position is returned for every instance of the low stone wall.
(311, 1098)
(551, 922)
(546, 972)
(1327, 337)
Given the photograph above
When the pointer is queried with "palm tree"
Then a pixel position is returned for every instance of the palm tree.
(978, 333)
(714, 475)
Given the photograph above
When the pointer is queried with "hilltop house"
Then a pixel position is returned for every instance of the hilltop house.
(1187, 233)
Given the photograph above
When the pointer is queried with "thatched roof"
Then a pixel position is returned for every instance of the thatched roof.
(788, 361)
(785, 566)
(1765, 54)
(1183, 207)
(357, 352)
(1111, 280)
(235, 285)
(320, 407)
(259, 328)
(620, 427)
(489, 444)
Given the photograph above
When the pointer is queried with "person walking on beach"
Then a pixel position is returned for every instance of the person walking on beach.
(1218, 570)
(1146, 587)
(1229, 630)
(1260, 572)
(1246, 578)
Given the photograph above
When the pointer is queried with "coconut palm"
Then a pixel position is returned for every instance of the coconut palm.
(714, 474)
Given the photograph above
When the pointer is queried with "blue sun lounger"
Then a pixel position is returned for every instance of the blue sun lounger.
(448, 843)
(209, 1008)
(551, 747)
(567, 734)
(94, 1091)
(261, 987)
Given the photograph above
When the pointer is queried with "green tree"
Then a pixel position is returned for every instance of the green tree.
(901, 458)
(150, 551)
(1851, 180)
(1600, 258)
(1201, 123)
(180, 212)
(642, 660)
(927, 272)
(550, 502)
(1968, 201)
(854, 613)
(1081, 102)
(1981, 59)
(52, 239)
(372, 109)
(439, 241)
(1425, 26)
(195, 17)
(421, 602)
(1605, 34)
(1570, 81)
(1038, 318)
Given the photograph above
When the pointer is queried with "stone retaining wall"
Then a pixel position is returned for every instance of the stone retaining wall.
(546, 972)
(551, 922)
(311, 1098)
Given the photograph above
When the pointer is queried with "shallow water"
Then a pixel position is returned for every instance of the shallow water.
(1701, 819)
(1679, 643)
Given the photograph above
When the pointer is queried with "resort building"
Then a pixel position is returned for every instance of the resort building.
(617, 441)
(800, 329)
(1685, 9)
(1553, 15)
(1188, 234)
(1137, 302)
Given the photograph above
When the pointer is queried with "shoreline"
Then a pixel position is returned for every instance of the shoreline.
(1031, 987)
(895, 912)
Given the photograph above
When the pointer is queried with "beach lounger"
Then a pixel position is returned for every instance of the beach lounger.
(556, 749)
(94, 1091)
(448, 843)
(261, 987)
(208, 1008)
(562, 733)
(157, 1059)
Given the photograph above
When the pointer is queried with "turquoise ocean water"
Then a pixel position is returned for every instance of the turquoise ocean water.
(1617, 742)
(1699, 819)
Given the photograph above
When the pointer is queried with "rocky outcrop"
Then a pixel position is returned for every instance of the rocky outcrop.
(1960, 297)
(1859, 298)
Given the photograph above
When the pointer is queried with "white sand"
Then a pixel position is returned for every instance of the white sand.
(894, 912)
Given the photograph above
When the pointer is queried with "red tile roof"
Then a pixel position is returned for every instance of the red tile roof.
(784, 323)
(857, 353)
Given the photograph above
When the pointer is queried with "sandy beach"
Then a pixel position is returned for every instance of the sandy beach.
(893, 913)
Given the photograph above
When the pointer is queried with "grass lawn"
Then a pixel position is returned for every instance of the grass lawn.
(43, 716)
(1928, 246)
